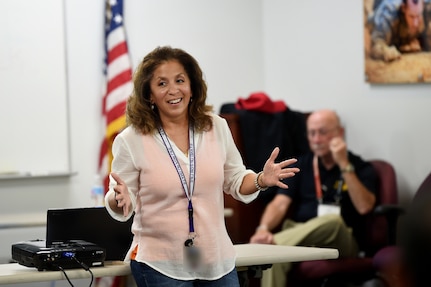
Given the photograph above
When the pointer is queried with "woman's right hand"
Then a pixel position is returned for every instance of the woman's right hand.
(121, 195)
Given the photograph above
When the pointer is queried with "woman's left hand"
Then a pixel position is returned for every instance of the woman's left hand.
(274, 173)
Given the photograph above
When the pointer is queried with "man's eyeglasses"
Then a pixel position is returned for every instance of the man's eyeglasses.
(320, 132)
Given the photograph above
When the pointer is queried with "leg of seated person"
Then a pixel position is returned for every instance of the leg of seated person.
(324, 231)
(276, 275)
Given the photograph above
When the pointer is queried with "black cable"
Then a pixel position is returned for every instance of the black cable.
(83, 265)
(64, 272)
(86, 269)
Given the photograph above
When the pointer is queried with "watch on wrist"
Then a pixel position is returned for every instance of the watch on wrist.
(348, 168)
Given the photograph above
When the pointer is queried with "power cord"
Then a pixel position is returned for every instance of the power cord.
(82, 264)
(65, 275)
(86, 269)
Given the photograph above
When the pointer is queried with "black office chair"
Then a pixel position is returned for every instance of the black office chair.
(406, 264)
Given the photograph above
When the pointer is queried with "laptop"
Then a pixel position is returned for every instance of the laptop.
(91, 224)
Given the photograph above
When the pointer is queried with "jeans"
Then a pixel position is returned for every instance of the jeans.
(146, 276)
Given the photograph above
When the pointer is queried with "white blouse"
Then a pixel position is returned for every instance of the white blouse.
(161, 225)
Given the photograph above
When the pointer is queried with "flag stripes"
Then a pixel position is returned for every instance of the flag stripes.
(118, 86)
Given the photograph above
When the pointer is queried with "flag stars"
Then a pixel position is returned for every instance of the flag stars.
(118, 18)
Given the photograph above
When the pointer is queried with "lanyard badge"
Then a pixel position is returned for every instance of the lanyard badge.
(192, 254)
(323, 209)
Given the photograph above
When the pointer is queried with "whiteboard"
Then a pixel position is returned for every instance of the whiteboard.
(34, 123)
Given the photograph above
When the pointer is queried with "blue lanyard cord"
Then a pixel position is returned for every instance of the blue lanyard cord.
(191, 224)
(188, 191)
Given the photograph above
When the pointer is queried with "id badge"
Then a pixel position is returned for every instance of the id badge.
(328, 209)
(192, 255)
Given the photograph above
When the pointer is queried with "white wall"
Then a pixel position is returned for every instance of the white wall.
(314, 58)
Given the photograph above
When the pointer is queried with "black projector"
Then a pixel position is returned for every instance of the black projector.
(66, 255)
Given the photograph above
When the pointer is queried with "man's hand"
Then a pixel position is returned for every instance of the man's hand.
(338, 149)
(263, 237)
(391, 53)
(382, 51)
(413, 46)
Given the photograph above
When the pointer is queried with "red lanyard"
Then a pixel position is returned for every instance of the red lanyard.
(317, 182)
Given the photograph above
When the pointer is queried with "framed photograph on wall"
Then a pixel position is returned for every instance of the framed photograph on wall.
(397, 41)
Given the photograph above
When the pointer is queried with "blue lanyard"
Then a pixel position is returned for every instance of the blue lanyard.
(188, 191)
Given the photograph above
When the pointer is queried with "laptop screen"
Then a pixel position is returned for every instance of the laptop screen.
(91, 224)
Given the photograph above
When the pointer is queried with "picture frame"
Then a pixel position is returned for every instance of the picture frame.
(397, 41)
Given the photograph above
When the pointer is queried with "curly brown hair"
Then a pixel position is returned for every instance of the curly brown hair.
(139, 112)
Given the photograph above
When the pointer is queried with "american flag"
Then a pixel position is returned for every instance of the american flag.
(118, 83)
(116, 89)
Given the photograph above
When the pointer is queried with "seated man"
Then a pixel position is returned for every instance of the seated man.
(398, 26)
(326, 200)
